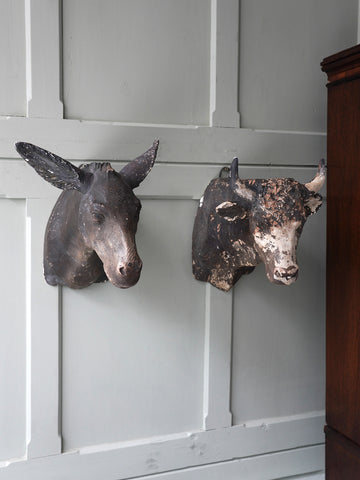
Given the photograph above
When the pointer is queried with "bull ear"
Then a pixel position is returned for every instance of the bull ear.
(137, 170)
(55, 170)
(231, 211)
(313, 203)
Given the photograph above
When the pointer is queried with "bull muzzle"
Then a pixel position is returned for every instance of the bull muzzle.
(285, 276)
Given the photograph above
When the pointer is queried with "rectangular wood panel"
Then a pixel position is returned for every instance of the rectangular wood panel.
(136, 355)
(281, 86)
(278, 335)
(137, 61)
(12, 321)
(12, 58)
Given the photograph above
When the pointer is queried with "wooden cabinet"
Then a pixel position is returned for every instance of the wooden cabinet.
(343, 267)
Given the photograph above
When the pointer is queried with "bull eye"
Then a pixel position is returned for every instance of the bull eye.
(98, 218)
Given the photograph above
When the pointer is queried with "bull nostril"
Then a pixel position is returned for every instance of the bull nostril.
(286, 272)
(129, 264)
(122, 270)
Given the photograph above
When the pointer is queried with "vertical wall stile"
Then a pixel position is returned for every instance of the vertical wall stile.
(28, 330)
(224, 64)
(43, 436)
(217, 361)
(43, 58)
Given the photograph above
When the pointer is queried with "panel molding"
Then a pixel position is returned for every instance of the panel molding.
(87, 140)
(42, 342)
(224, 63)
(43, 55)
(297, 462)
(169, 453)
(19, 180)
(217, 358)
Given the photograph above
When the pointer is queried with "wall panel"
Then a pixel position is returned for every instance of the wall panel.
(133, 359)
(278, 336)
(281, 45)
(137, 61)
(12, 58)
(12, 315)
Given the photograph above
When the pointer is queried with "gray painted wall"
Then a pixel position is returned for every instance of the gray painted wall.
(171, 378)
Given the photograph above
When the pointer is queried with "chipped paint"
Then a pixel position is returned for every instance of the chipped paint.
(242, 191)
(278, 246)
(242, 223)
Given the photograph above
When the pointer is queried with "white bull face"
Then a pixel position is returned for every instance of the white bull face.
(277, 249)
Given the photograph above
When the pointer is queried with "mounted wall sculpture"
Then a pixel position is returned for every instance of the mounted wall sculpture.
(90, 235)
(241, 223)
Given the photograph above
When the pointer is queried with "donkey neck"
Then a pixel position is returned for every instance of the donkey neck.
(67, 258)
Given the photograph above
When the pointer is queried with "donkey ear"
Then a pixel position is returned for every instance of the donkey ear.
(55, 170)
(137, 170)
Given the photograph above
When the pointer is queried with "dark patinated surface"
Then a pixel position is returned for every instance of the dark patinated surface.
(241, 223)
(90, 235)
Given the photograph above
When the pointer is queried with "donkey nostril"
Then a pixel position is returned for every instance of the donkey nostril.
(130, 268)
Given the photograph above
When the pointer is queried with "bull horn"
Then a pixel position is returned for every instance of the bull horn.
(318, 181)
(236, 184)
(234, 171)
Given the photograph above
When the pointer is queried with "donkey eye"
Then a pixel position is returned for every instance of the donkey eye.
(98, 217)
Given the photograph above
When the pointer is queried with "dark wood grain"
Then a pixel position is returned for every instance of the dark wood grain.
(343, 260)
(343, 264)
(342, 457)
(342, 65)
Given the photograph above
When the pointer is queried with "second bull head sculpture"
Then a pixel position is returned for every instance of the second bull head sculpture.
(90, 235)
(241, 223)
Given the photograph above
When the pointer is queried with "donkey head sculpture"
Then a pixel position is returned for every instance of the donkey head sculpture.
(90, 235)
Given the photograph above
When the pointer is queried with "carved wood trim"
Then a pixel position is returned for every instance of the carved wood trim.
(343, 65)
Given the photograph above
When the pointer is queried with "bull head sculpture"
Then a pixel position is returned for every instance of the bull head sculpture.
(241, 223)
(90, 235)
